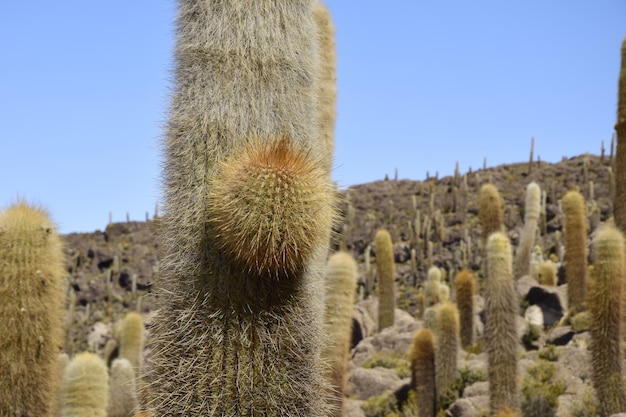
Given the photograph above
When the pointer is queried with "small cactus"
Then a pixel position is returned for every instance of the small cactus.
(31, 310)
(527, 238)
(386, 275)
(123, 393)
(130, 336)
(423, 381)
(447, 347)
(575, 225)
(465, 286)
(341, 273)
(85, 387)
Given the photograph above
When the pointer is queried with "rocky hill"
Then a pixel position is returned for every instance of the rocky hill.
(111, 272)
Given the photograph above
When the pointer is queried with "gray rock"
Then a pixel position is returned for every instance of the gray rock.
(364, 383)
(469, 407)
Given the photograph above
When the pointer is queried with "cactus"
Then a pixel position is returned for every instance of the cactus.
(619, 202)
(31, 311)
(527, 238)
(327, 80)
(547, 274)
(386, 275)
(432, 289)
(85, 389)
(447, 347)
(575, 225)
(423, 381)
(123, 392)
(130, 336)
(490, 211)
(465, 286)
(605, 307)
(502, 344)
(248, 210)
(341, 273)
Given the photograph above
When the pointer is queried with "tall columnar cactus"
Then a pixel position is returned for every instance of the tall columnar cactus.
(423, 381)
(386, 274)
(85, 389)
(123, 389)
(605, 307)
(501, 307)
(619, 204)
(527, 239)
(465, 287)
(575, 225)
(447, 347)
(327, 80)
(31, 311)
(341, 274)
(130, 336)
(248, 212)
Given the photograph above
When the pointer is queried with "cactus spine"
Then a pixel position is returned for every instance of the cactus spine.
(527, 239)
(605, 308)
(386, 274)
(85, 387)
(341, 273)
(575, 224)
(465, 286)
(123, 393)
(447, 347)
(619, 203)
(31, 310)
(501, 306)
(423, 372)
(248, 212)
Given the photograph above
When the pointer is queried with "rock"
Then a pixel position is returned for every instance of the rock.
(362, 325)
(365, 383)
(401, 252)
(551, 300)
(352, 408)
(560, 336)
(476, 389)
(98, 336)
(469, 407)
(534, 315)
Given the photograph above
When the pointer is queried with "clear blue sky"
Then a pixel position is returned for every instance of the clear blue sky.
(421, 85)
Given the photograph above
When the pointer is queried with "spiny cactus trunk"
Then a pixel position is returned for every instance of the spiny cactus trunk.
(31, 310)
(248, 210)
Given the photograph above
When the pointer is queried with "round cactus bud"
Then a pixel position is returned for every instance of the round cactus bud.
(270, 205)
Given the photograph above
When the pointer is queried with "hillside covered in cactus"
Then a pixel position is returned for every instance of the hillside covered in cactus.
(104, 267)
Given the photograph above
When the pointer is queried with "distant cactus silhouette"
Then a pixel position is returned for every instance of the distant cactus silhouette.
(386, 275)
(85, 387)
(606, 303)
(423, 381)
(341, 273)
(501, 307)
(575, 225)
(465, 286)
(527, 238)
(31, 310)
(248, 210)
